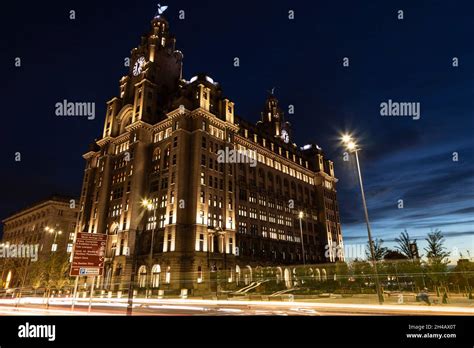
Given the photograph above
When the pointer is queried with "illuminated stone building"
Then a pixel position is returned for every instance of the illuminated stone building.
(50, 224)
(161, 142)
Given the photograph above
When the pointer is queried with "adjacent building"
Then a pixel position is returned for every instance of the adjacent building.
(183, 187)
(50, 224)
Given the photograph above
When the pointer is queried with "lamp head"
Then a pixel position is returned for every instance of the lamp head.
(351, 146)
(346, 138)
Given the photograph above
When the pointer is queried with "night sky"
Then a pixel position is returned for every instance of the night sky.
(407, 60)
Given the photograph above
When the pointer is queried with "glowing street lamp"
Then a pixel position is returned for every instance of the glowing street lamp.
(51, 230)
(352, 147)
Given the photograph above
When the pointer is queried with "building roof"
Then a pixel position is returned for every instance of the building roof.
(52, 198)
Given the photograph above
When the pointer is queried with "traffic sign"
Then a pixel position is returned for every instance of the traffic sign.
(89, 254)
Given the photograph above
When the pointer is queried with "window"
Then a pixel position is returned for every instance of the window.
(201, 238)
(142, 276)
(168, 275)
(162, 221)
(242, 227)
(253, 213)
(253, 197)
(155, 276)
(202, 197)
(168, 241)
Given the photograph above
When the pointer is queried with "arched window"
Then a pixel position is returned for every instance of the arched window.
(155, 276)
(248, 275)
(142, 276)
(126, 120)
(325, 277)
(318, 274)
(168, 275)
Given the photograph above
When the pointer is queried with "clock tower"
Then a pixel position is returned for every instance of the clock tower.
(273, 120)
(152, 81)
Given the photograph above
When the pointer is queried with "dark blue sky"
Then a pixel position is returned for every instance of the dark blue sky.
(403, 60)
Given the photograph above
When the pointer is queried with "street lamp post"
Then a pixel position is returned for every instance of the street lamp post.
(54, 247)
(50, 230)
(300, 216)
(351, 146)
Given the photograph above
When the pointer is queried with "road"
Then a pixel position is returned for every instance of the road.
(191, 307)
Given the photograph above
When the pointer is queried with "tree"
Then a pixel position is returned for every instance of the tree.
(437, 257)
(404, 245)
(436, 252)
(379, 250)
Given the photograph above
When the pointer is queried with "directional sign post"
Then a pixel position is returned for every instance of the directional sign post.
(89, 254)
(88, 259)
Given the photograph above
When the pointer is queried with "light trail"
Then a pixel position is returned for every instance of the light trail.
(222, 306)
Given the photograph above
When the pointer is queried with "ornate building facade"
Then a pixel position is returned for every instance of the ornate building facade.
(183, 187)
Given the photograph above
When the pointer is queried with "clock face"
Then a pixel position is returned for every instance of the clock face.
(138, 67)
(284, 136)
